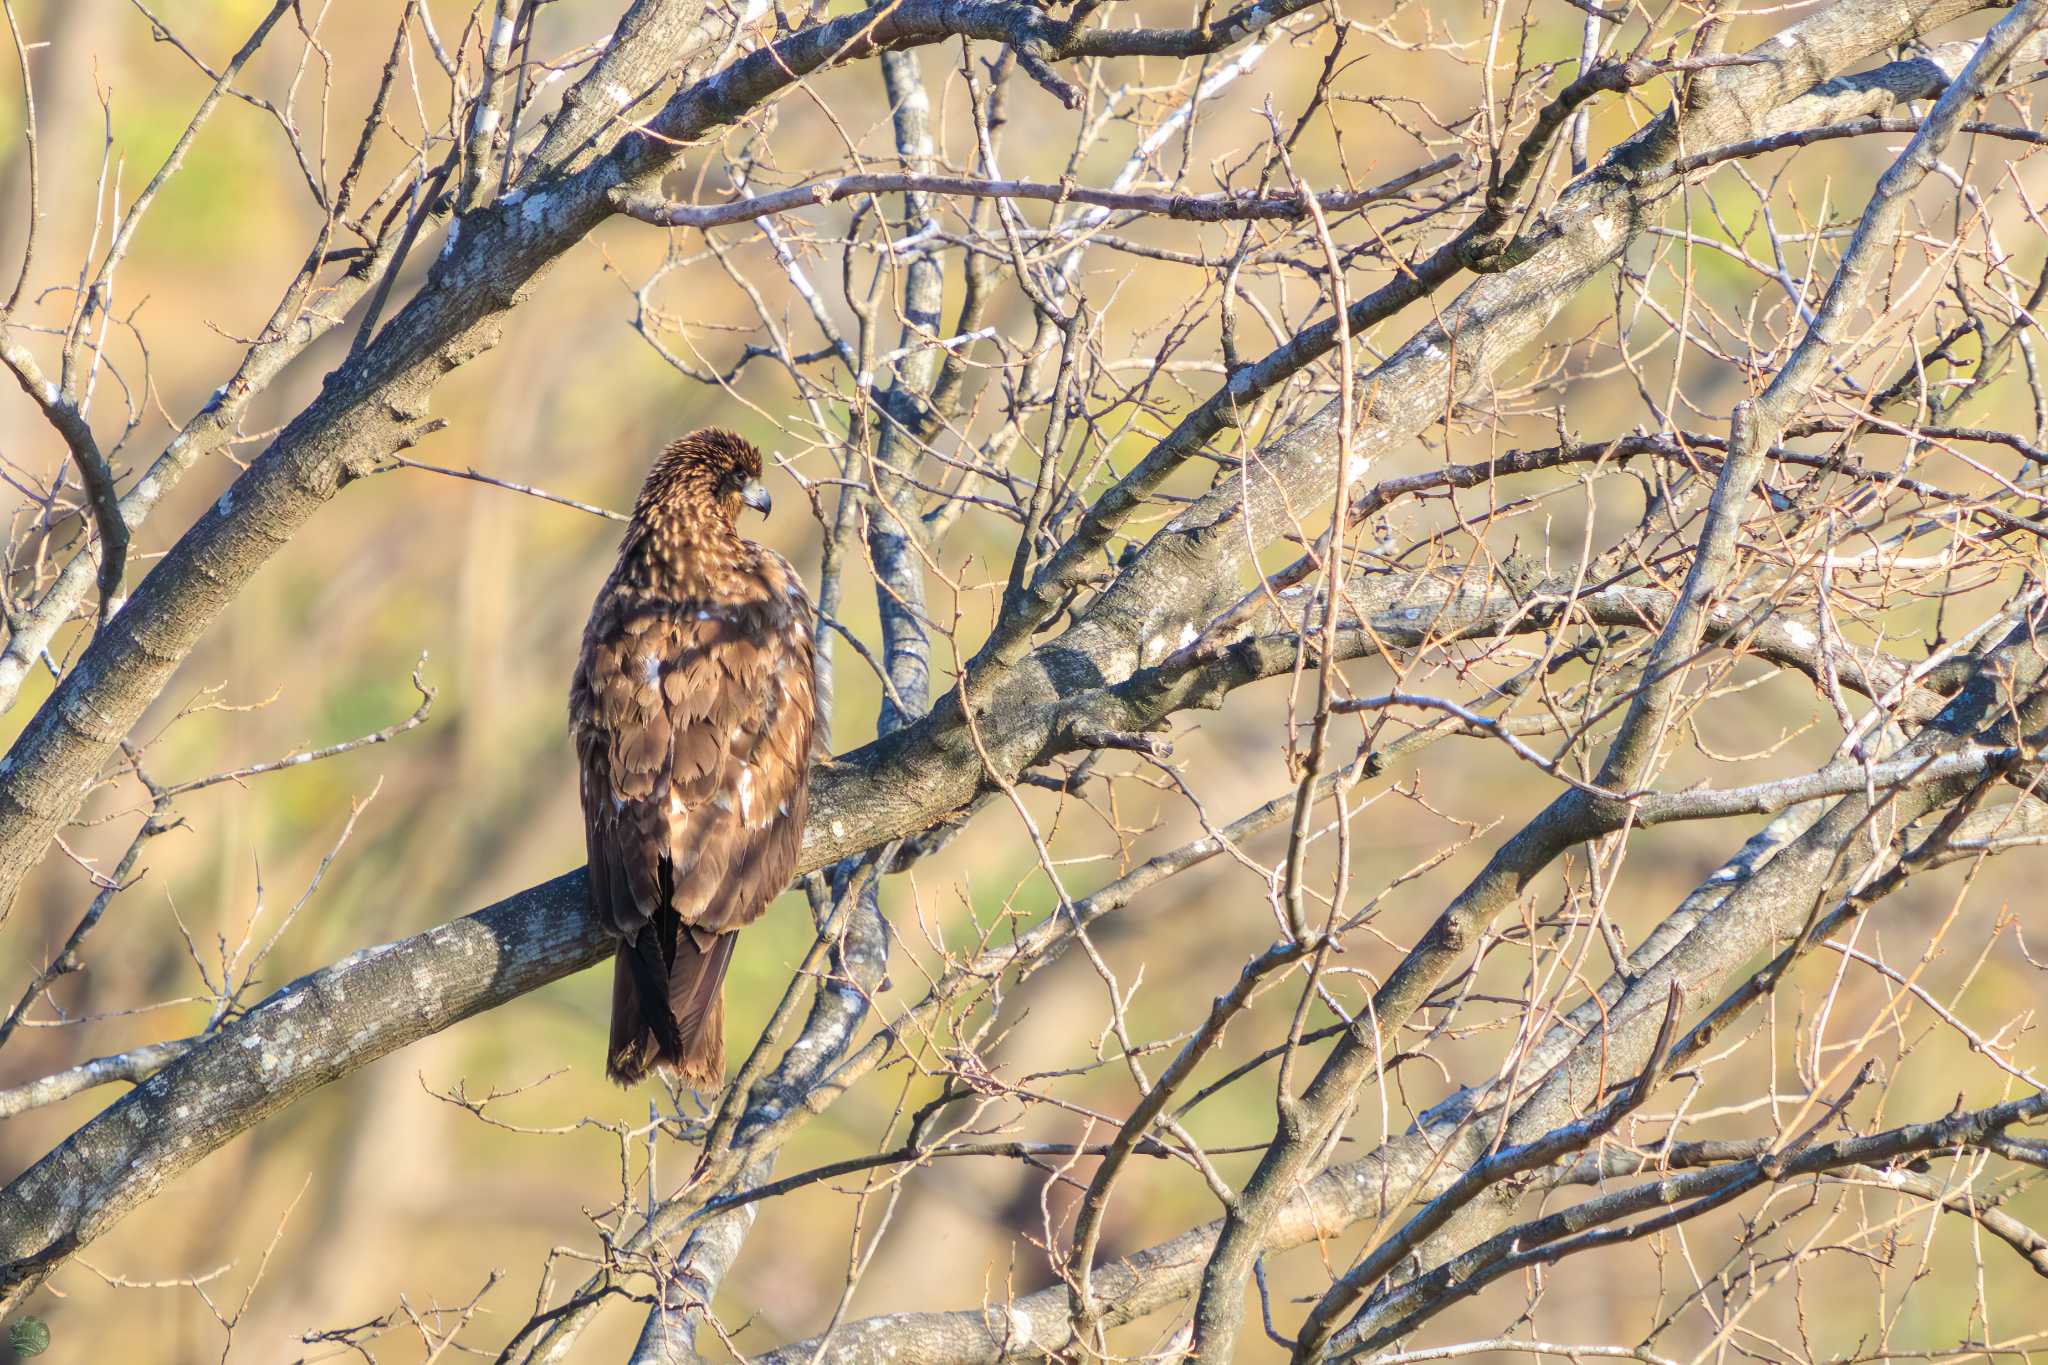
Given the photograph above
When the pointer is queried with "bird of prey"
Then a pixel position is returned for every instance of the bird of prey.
(691, 712)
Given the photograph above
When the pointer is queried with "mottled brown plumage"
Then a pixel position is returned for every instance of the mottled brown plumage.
(691, 711)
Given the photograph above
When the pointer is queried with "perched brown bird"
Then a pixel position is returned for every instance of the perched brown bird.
(691, 710)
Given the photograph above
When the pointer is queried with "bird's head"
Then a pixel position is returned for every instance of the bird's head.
(707, 469)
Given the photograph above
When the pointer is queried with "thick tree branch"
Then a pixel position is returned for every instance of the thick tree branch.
(1199, 208)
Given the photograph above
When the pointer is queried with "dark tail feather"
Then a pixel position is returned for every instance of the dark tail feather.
(670, 1015)
(626, 1060)
(635, 1040)
(696, 999)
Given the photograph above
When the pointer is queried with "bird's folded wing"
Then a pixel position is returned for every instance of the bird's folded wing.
(695, 759)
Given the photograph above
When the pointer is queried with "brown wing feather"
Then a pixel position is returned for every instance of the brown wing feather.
(694, 785)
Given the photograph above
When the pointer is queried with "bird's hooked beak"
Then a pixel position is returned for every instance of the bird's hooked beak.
(755, 495)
